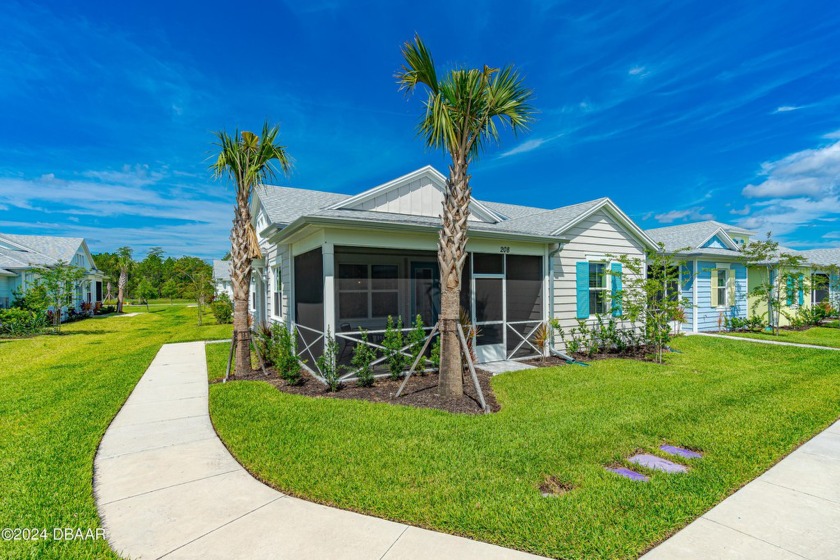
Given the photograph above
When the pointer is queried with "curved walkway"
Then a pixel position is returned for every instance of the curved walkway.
(166, 487)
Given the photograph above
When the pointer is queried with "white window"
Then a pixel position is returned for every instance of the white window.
(278, 292)
(721, 287)
(598, 290)
(368, 291)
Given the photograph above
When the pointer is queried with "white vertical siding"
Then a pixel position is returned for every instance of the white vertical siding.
(420, 197)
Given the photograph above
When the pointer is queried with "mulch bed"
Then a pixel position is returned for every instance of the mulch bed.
(420, 392)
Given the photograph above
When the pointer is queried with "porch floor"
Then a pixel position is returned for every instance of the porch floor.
(504, 366)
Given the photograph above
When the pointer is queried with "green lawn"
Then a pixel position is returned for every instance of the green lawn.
(57, 396)
(746, 406)
(819, 336)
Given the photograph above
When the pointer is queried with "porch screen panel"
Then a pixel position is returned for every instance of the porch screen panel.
(309, 302)
(524, 300)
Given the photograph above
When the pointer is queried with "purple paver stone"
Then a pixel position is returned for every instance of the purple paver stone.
(657, 463)
(680, 451)
(627, 473)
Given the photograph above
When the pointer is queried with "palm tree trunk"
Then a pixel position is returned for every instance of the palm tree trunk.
(451, 256)
(121, 289)
(240, 277)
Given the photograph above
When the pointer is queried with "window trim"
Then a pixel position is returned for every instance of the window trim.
(606, 263)
(723, 303)
(277, 291)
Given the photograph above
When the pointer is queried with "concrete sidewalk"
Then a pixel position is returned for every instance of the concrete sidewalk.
(166, 486)
(790, 512)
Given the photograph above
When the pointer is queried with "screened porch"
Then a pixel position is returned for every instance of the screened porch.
(359, 288)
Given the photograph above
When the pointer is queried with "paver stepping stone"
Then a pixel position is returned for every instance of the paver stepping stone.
(680, 451)
(657, 463)
(627, 473)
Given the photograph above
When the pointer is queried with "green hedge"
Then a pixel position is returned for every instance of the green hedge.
(21, 322)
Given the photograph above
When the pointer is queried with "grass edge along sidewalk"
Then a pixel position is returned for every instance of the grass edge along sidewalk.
(58, 394)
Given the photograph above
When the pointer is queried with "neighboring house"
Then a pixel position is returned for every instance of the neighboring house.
(336, 263)
(20, 254)
(794, 295)
(826, 275)
(713, 277)
(221, 278)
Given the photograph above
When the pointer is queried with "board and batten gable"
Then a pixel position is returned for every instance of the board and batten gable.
(416, 194)
(594, 238)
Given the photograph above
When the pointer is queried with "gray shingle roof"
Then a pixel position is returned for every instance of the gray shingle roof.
(284, 205)
(423, 221)
(546, 222)
(512, 211)
(689, 235)
(36, 250)
(221, 270)
(823, 257)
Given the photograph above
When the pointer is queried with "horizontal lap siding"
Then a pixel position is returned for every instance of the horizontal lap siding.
(709, 318)
(599, 234)
(278, 255)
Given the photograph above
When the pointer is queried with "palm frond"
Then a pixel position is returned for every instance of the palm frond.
(419, 68)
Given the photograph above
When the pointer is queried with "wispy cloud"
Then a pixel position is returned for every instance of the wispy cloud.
(98, 204)
(787, 108)
(742, 212)
(525, 147)
(695, 214)
(798, 191)
(811, 172)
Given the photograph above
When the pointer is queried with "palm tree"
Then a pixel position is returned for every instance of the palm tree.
(464, 111)
(247, 160)
(124, 263)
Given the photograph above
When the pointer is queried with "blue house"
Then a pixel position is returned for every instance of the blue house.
(713, 277)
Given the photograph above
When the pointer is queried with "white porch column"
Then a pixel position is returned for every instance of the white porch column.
(328, 255)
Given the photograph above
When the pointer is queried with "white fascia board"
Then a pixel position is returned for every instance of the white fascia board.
(726, 239)
(428, 171)
(623, 219)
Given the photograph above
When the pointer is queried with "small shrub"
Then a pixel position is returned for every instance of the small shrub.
(363, 357)
(812, 316)
(541, 338)
(735, 324)
(328, 364)
(417, 338)
(393, 342)
(21, 322)
(265, 344)
(434, 355)
(222, 309)
(284, 353)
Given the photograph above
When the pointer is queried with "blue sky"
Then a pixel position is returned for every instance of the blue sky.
(677, 111)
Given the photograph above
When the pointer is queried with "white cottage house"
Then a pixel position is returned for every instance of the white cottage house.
(20, 254)
(334, 262)
(221, 278)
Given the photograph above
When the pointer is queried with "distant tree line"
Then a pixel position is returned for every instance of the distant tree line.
(155, 276)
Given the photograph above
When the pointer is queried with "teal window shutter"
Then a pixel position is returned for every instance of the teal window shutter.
(616, 287)
(582, 270)
(789, 290)
(801, 290)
